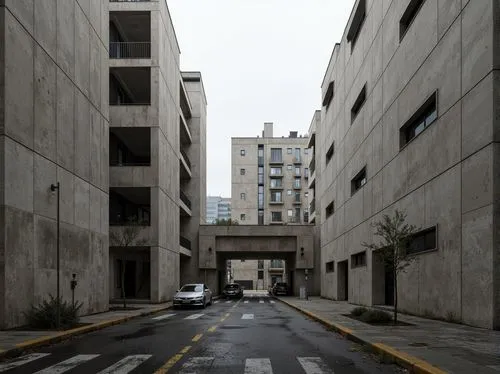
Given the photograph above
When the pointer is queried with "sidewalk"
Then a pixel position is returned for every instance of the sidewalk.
(453, 348)
(14, 341)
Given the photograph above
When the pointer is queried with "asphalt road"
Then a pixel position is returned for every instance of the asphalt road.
(254, 335)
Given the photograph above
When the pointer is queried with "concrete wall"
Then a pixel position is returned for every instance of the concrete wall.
(53, 127)
(444, 177)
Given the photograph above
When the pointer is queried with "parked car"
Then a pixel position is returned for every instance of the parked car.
(194, 294)
(232, 290)
(280, 288)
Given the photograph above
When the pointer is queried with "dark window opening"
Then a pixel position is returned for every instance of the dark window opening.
(242, 152)
(330, 209)
(242, 171)
(422, 119)
(260, 264)
(276, 217)
(357, 23)
(130, 86)
(358, 104)
(358, 181)
(260, 274)
(330, 152)
(129, 206)
(422, 241)
(260, 155)
(408, 16)
(358, 260)
(330, 266)
(261, 217)
(329, 94)
(129, 146)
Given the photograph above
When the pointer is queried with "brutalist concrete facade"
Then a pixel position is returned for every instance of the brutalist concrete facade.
(53, 128)
(446, 178)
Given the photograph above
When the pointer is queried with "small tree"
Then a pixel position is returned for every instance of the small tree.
(393, 249)
(126, 236)
(225, 222)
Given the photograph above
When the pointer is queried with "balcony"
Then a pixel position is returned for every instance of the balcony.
(312, 181)
(185, 134)
(312, 206)
(129, 86)
(130, 50)
(130, 34)
(276, 266)
(184, 242)
(129, 146)
(312, 165)
(297, 160)
(185, 166)
(276, 174)
(297, 202)
(294, 219)
(129, 206)
(185, 199)
(276, 202)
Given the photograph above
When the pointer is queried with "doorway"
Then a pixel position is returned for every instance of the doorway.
(343, 280)
(130, 279)
(389, 286)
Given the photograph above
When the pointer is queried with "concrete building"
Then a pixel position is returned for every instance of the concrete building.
(53, 128)
(218, 208)
(157, 153)
(257, 274)
(410, 121)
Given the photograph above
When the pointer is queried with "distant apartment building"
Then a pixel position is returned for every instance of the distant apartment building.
(218, 208)
(410, 121)
(157, 153)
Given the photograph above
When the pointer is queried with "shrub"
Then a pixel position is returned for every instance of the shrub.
(358, 311)
(375, 316)
(44, 316)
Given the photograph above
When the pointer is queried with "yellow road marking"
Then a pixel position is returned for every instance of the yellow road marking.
(197, 337)
(186, 349)
(212, 329)
(165, 368)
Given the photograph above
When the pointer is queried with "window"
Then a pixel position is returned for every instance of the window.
(289, 151)
(330, 266)
(358, 104)
(276, 197)
(290, 212)
(242, 171)
(260, 154)
(358, 260)
(306, 172)
(297, 197)
(422, 119)
(276, 217)
(296, 155)
(297, 170)
(330, 209)
(275, 171)
(422, 241)
(276, 155)
(296, 183)
(242, 216)
(260, 275)
(297, 215)
(408, 16)
(328, 95)
(329, 153)
(289, 192)
(357, 23)
(289, 167)
(260, 264)
(306, 151)
(358, 181)
(243, 196)
(306, 216)
(261, 175)
(261, 217)
(276, 183)
(261, 197)
(242, 152)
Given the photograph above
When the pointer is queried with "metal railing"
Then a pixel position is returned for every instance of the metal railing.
(185, 242)
(186, 158)
(185, 199)
(129, 49)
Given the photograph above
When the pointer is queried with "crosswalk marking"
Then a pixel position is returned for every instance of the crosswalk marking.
(228, 302)
(261, 301)
(126, 365)
(314, 365)
(196, 365)
(216, 302)
(67, 365)
(164, 316)
(272, 302)
(258, 366)
(247, 316)
(194, 316)
(21, 361)
(246, 301)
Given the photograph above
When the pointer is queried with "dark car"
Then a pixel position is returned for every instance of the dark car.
(280, 288)
(232, 290)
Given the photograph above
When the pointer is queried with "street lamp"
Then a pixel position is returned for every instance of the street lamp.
(54, 187)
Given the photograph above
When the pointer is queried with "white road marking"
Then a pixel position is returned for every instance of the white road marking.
(216, 301)
(261, 301)
(314, 365)
(67, 365)
(126, 365)
(247, 316)
(273, 302)
(258, 366)
(196, 365)
(194, 316)
(21, 361)
(228, 302)
(246, 301)
(159, 318)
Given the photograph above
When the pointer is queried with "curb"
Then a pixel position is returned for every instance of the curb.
(413, 364)
(63, 335)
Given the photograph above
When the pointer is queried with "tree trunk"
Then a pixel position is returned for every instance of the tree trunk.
(123, 285)
(395, 297)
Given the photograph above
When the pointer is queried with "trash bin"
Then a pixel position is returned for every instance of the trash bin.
(303, 293)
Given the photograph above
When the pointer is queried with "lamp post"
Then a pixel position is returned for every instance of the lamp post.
(54, 187)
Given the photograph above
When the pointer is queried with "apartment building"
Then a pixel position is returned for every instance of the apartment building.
(410, 121)
(53, 133)
(157, 154)
(257, 274)
(218, 208)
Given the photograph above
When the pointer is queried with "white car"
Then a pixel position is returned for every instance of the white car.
(193, 294)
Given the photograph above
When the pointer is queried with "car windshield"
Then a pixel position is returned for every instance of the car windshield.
(232, 287)
(192, 288)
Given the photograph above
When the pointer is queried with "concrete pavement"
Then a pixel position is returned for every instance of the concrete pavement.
(429, 346)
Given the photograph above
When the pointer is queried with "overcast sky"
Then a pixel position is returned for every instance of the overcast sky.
(261, 61)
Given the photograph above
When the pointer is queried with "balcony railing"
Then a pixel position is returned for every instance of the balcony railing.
(130, 50)
(184, 242)
(293, 219)
(186, 158)
(297, 160)
(185, 199)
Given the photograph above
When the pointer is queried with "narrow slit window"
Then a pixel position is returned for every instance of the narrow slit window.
(329, 94)
(409, 16)
(358, 181)
(358, 104)
(330, 209)
(357, 23)
(358, 260)
(330, 266)
(422, 119)
(423, 241)
(330, 152)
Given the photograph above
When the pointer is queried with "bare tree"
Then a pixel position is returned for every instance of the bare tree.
(126, 236)
(393, 248)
